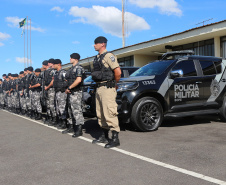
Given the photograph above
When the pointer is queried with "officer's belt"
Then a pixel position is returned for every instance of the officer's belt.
(109, 84)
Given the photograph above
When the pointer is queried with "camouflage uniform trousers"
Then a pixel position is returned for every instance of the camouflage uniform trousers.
(32, 101)
(61, 101)
(5, 98)
(36, 100)
(1, 99)
(16, 103)
(9, 100)
(75, 108)
(50, 102)
(22, 101)
(28, 100)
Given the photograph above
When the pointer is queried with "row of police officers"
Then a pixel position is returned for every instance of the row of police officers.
(60, 93)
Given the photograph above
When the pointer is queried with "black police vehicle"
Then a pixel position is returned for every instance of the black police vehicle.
(179, 85)
(89, 107)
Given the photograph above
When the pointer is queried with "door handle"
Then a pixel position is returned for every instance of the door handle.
(198, 82)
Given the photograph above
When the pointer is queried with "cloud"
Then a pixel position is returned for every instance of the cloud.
(57, 8)
(14, 22)
(168, 7)
(75, 42)
(8, 60)
(4, 36)
(1, 44)
(108, 18)
(21, 60)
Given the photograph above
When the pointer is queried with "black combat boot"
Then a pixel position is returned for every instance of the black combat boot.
(32, 115)
(46, 121)
(114, 141)
(103, 137)
(63, 124)
(39, 116)
(77, 131)
(68, 130)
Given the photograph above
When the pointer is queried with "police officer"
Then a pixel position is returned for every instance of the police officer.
(106, 73)
(10, 91)
(74, 77)
(20, 88)
(60, 85)
(4, 86)
(16, 95)
(44, 93)
(51, 111)
(28, 92)
(36, 94)
(1, 95)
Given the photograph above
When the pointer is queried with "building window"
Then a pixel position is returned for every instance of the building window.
(205, 48)
(223, 47)
(126, 61)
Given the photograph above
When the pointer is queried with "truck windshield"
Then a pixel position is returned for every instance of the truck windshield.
(154, 68)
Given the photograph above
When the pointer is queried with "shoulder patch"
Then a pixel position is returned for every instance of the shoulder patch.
(112, 58)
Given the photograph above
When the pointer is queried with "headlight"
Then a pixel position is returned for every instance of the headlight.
(125, 86)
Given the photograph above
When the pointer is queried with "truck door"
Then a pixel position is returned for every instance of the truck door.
(186, 92)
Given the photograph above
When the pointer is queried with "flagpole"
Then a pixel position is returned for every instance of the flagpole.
(30, 44)
(123, 32)
(24, 50)
(27, 43)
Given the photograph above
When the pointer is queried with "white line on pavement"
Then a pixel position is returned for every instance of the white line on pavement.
(181, 170)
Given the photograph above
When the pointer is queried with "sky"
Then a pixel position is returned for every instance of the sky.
(62, 27)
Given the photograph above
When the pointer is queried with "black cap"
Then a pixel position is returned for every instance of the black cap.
(16, 75)
(45, 62)
(100, 40)
(51, 61)
(9, 74)
(30, 69)
(21, 72)
(75, 56)
(1, 80)
(57, 61)
(38, 70)
(4, 75)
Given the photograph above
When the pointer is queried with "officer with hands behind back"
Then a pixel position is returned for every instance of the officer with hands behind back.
(106, 73)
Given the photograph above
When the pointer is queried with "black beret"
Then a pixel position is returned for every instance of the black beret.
(45, 62)
(100, 40)
(51, 61)
(16, 75)
(75, 56)
(4, 75)
(1, 80)
(25, 69)
(30, 69)
(21, 72)
(9, 74)
(12, 75)
(57, 61)
(38, 70)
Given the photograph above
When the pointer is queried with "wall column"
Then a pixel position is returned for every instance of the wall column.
(217, 46)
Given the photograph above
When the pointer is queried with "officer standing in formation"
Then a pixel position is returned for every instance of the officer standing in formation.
(106, 73)
(74, 77)
(60, 85)
(61, 92)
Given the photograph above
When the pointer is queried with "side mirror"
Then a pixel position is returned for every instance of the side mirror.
(176, 73)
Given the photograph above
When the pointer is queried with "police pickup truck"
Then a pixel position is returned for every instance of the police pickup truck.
(179, 85)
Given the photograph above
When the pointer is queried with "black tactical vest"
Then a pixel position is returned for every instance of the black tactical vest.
(49, 73)
(1, 88)
(59, 83)
(100, 72)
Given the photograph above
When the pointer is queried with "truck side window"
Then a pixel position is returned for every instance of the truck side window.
(208, 67)
(187, 66)
(218, 67)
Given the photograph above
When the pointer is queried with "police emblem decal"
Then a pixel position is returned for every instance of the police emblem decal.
(214, 88)
(112, 58)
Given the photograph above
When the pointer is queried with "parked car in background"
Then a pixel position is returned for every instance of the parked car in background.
(89, 107)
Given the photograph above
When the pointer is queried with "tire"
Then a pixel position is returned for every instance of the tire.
(222, 114)
(147, 114)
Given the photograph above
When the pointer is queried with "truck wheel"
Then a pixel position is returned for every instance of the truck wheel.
(147, 114)
(223, 111)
